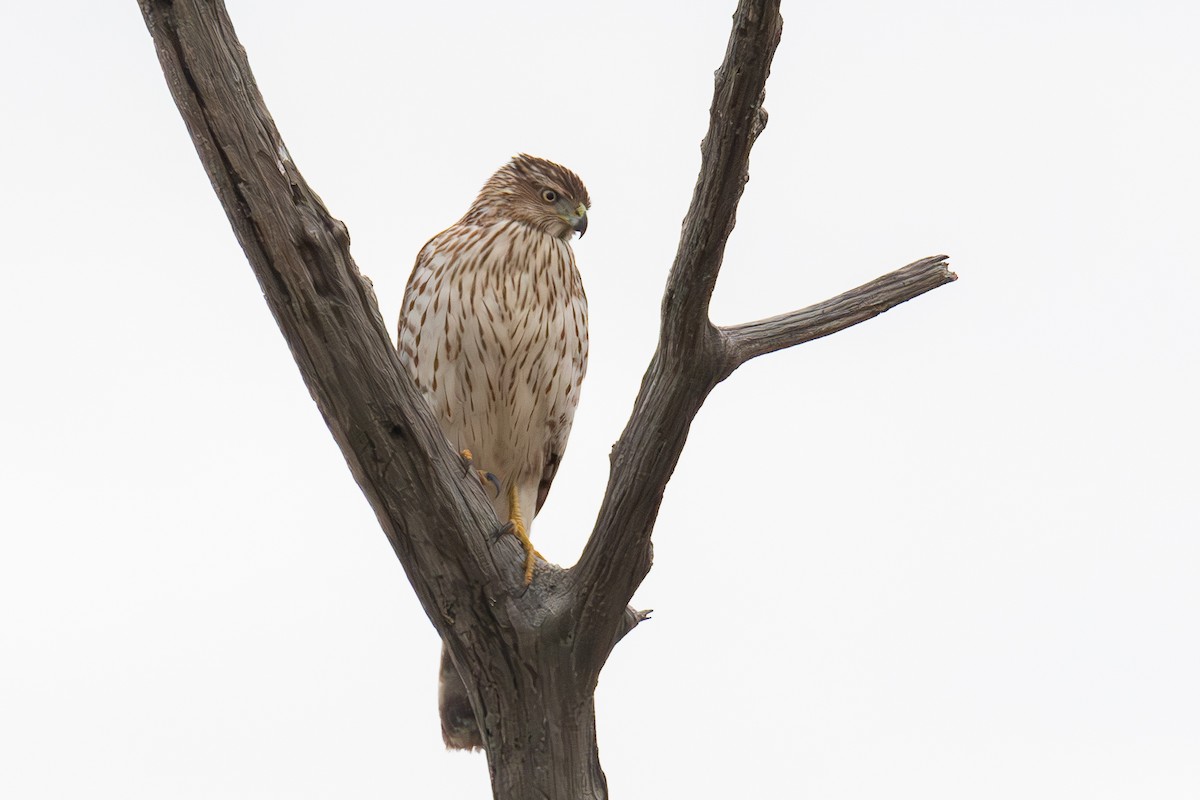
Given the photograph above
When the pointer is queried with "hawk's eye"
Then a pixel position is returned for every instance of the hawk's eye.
(549, 195)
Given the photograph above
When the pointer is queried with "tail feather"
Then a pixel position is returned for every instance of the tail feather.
(460, 731)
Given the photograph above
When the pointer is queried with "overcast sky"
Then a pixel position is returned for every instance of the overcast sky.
(953, 552)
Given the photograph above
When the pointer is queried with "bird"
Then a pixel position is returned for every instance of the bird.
(493, 331)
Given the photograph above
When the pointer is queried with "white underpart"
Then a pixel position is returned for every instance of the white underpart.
(509, 343)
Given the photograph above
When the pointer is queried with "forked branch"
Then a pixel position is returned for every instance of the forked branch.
(506, 641)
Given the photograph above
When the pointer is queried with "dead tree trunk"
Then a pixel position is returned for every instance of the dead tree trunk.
(529, 659)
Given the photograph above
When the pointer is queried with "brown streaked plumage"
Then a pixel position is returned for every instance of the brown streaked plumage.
(493, 330)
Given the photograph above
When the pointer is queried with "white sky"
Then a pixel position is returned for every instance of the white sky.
(953, 552)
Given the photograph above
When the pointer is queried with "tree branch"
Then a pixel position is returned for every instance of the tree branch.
(690, 358)
(752, 339)
(693, 356)
(736, 118)
(435, 517)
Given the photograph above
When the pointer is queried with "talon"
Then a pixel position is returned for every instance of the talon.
(516, 528)
(485, 477)
(504, 530)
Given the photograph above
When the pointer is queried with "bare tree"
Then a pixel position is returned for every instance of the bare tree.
(529, 659)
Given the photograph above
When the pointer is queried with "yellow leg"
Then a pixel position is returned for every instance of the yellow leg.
(520, 531)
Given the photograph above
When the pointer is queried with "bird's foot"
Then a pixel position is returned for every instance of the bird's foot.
(485, 477)
(516, 527)
(526, 544)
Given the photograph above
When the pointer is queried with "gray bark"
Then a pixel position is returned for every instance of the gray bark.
(529, 659)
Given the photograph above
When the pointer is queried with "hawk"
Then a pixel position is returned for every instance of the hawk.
(493, 330)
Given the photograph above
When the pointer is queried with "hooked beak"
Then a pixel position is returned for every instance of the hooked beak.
(575, 218)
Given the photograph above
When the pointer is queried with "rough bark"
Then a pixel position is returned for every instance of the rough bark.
(529, 659)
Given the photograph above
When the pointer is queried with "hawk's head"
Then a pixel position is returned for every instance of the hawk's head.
(537, 192)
